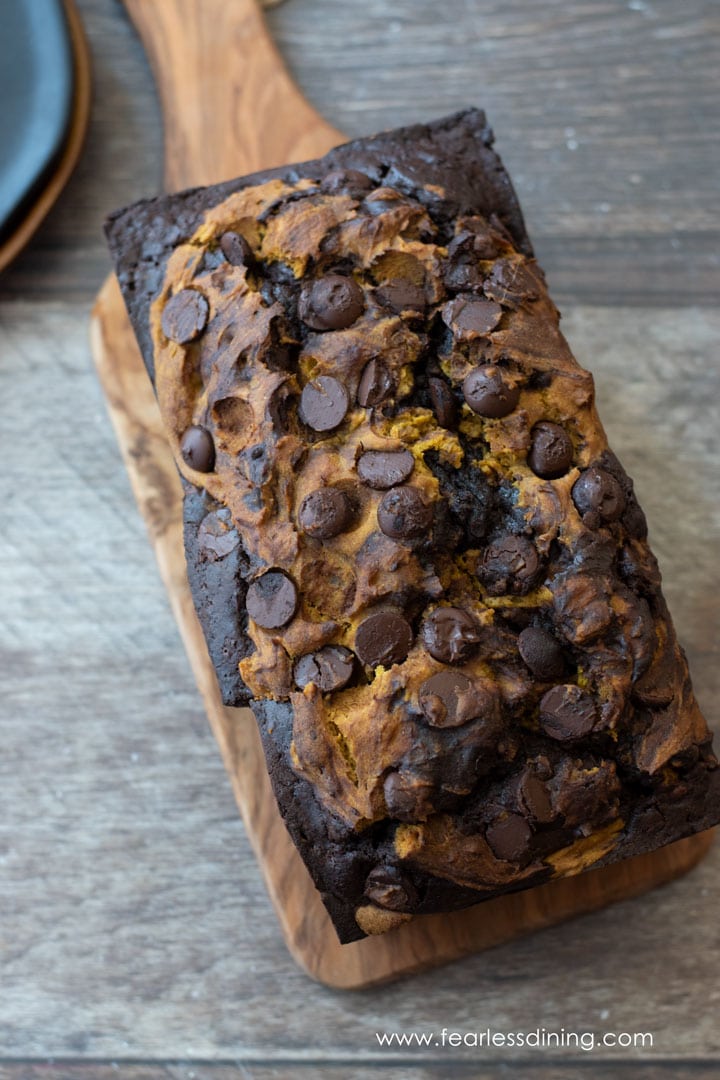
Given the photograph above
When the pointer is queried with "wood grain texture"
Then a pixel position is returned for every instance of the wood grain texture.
(349, 1070)
(229, 106)
(38, 211)
(605, 113)
(424, 942)
(134, 923)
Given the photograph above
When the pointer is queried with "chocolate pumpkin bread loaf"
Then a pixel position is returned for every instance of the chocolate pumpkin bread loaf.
(410, 548)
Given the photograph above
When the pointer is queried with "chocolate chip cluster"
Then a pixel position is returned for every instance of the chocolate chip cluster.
(448, 576)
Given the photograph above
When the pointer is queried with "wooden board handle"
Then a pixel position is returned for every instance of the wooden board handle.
(229, 104)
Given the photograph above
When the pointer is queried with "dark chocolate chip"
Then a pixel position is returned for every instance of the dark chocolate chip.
(551, 452)
(535, 798)
(476, 239)
(404, 514)
(408, 797)
(470, 318)
(324, 403)
(449, 699)
(450, 635)
(383, 638)
(217, 536)
(462, 274)
(542, 653)
(567, 712)
(489, 393)
(597, 492)
(401, 295)
(443, 403)
(330, 668)
(509, 838)
(236, 249)
(185, 316)
(346, 182)
(198, 449)
(376, 383)
(510, 565)
(332, 302)
(382, 469)
(466, 250)
(510, 283)
(325, 513)
(389, 888)
(272, 600)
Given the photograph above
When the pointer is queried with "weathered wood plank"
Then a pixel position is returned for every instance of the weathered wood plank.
(605, 113)
(134, 919)
(351, 1070)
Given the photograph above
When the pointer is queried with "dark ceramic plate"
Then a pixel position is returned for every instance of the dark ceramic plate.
(36, 97)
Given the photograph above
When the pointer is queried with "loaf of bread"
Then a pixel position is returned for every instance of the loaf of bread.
(410, 548)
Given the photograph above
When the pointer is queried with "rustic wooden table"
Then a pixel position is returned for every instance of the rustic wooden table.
(136, 939)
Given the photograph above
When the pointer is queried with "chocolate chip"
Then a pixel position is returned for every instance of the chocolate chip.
(443, 403)
(185, 316)
(401, 295)
(376, 383)
(462, 274)
(567, 712)
(450, 635)
(198, 449)
(462, 271)
(325, 513)
(509, 838)
(330, 668)
(383, 638)
(597, 492)
(535, 798)
(408, 797)
(542, 653)
(551, 452)
(332, 302)
(480, 238)
(510, 283)
(389, 888)
(510, 565)
(324, 403)
(346, 182)
(236, 249)
(466, 250)
(470, 318)
(488, 392)
(449, 699)
(217, 536)
(382, 469)
(272, 600)
(404, 514)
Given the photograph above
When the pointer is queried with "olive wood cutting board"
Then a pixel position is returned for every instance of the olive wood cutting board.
(231, 108)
